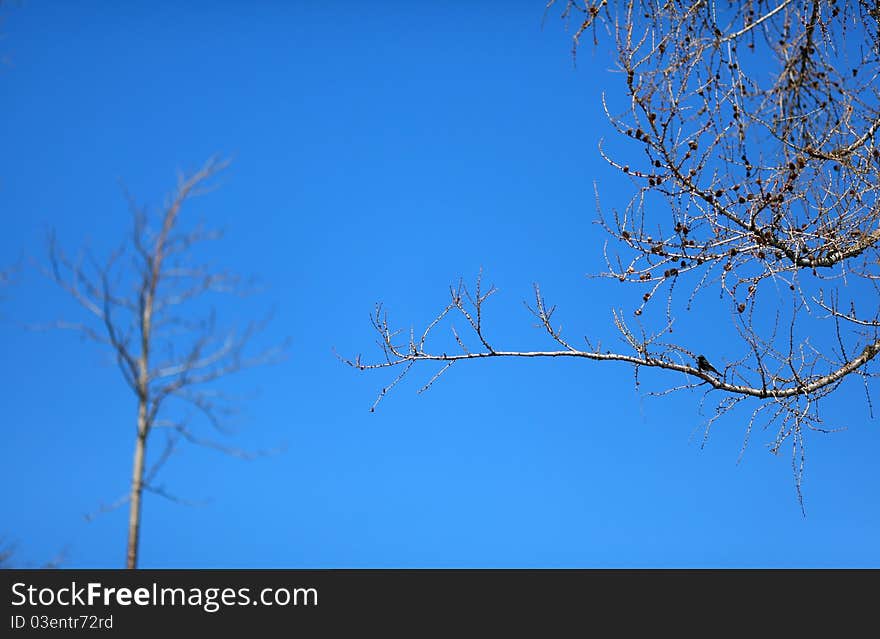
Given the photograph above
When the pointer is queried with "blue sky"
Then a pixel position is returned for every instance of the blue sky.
(380, 151)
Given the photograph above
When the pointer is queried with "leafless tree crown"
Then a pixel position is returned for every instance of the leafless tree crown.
(147, 304)
(755, 174)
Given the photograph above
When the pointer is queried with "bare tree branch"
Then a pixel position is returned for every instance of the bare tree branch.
(756, 174)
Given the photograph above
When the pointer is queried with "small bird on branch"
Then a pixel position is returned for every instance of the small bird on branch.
(704, 365)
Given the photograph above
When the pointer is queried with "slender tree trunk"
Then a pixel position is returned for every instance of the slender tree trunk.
(148, 293)
(137, 488)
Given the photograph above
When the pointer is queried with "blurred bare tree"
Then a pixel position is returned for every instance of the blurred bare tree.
(755, 172)
(6, 553)
(147, 305)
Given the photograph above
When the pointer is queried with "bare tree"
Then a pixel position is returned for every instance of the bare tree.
(8, 555)
(151, 313)
(755, 173)
(7, 550)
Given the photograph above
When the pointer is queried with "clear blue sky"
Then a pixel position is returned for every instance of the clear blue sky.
(381, 150)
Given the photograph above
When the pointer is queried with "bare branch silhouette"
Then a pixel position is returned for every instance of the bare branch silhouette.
(756, 174)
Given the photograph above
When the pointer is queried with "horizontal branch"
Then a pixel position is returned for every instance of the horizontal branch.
(814, 385)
